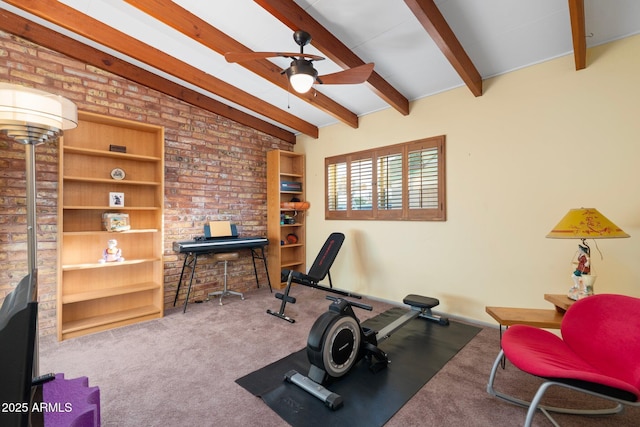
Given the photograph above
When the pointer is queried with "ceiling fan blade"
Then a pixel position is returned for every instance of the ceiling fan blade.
(355, 75)
(251, 56)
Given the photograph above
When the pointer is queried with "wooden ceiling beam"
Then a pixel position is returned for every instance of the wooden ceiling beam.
(296, 18)
(432, 20)
(66, 17)
(45, 37)
(578, 33)
(199, 30)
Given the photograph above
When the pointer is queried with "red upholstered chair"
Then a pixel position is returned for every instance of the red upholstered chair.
(598, 354)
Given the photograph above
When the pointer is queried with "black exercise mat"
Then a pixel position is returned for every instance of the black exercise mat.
(417, 351)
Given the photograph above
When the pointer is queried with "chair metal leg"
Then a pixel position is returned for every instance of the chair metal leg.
(534, 405)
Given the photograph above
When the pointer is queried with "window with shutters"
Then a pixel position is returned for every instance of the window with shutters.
(399, 182)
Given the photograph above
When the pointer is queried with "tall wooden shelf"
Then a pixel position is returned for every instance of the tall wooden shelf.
(94, 296)
(285, 166)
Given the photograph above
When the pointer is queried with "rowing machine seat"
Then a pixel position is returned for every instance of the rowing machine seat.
(420, 302)
(425, 304)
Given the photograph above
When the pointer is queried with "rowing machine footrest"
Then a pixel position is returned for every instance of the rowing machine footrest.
(378, 359)
(369, 335)
(286, 298)
(419, 301)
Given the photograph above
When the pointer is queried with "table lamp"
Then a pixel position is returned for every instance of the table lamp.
(584, 223)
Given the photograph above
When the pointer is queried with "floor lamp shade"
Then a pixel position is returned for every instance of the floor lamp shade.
(32, 116)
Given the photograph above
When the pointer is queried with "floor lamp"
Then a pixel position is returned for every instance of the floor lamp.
(33, 117)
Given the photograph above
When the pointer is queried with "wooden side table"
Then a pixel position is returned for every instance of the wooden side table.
(561, 301)
(540, 318)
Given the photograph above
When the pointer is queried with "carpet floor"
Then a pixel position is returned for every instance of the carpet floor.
(180, 370)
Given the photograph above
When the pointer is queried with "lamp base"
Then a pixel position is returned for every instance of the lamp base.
(582, 286)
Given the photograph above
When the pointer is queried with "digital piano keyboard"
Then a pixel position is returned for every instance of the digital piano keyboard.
(220, 245)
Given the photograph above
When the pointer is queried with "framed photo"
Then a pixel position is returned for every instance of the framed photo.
(117, 174)
(116, 200)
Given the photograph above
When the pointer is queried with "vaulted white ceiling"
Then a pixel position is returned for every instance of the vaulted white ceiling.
(498, 36)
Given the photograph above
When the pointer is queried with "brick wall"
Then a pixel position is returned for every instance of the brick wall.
(215, 169)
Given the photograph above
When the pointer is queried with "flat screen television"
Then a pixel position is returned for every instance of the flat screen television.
(18, 352)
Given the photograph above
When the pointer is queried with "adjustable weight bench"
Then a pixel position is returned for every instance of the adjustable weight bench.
(319, 270)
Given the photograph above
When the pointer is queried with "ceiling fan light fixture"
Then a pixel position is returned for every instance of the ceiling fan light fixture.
(301, 75)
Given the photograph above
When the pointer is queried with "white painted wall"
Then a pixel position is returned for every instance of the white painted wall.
(540, 141)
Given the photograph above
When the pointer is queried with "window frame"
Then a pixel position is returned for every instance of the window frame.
(405, 213)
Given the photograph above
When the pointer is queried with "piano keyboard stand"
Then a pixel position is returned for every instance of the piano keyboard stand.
(194, 248)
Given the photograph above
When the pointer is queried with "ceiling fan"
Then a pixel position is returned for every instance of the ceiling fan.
(301, 73)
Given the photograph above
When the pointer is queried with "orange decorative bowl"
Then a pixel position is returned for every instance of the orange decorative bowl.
(296, 206)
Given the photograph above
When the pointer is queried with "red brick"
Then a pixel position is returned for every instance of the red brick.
(214, 169)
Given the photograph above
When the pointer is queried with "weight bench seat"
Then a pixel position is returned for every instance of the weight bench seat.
(318, 271)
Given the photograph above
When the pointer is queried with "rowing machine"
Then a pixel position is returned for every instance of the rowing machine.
(337, 341)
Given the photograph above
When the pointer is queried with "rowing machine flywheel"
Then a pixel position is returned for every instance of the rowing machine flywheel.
(334, 342)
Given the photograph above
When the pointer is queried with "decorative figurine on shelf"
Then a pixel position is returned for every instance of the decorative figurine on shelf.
(582, 279)
(112, 252)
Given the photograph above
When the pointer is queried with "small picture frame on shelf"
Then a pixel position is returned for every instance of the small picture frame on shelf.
(116, 221)
(117, 174)
(116, 200)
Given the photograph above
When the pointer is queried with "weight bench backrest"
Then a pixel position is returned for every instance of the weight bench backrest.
(325, 258)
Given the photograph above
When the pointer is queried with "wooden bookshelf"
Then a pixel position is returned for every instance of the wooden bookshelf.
(285, 166)
(94, 296)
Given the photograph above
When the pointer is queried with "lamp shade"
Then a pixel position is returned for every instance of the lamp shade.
(301, 75)
(301, 83)
(585, 223)
(32, 116)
